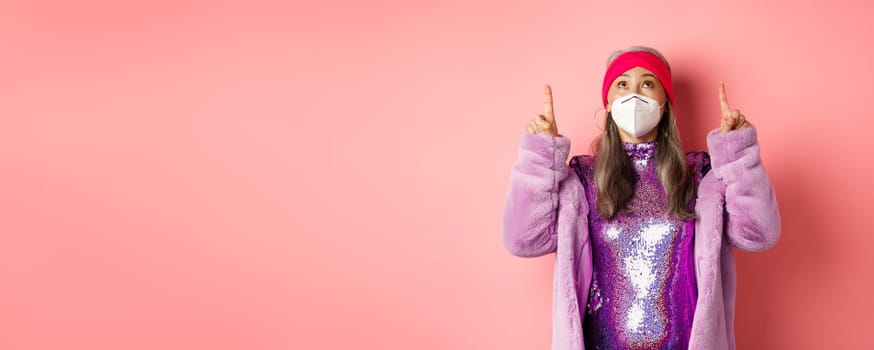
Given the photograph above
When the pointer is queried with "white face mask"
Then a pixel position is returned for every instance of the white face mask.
(636, 114)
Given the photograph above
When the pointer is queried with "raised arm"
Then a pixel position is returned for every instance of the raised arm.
(532, 201)
(752, 216)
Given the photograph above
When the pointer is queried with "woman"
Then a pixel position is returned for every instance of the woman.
(641, 230)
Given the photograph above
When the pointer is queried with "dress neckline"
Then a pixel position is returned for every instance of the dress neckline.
(641, 151)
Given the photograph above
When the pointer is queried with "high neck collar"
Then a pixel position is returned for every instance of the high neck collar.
(642, 151)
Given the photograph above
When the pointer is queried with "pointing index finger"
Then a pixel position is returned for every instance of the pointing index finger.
(723, 101)
(548, 108)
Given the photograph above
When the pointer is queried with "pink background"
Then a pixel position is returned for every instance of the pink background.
(331, 175)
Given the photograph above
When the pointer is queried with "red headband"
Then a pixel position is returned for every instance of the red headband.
(643, 59)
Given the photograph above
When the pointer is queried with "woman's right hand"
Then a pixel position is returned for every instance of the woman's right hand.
(544, 123)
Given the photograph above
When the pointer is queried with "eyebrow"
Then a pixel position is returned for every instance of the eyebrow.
(645, 75)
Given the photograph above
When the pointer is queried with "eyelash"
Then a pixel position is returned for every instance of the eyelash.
(622, 83)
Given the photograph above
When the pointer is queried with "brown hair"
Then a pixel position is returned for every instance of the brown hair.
(615, 176)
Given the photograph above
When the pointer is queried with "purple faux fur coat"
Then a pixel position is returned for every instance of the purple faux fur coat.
(546, 212)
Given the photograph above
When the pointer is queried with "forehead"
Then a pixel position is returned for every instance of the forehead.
(636, 72)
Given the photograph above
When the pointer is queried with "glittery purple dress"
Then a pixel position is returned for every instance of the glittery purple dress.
(643, 290)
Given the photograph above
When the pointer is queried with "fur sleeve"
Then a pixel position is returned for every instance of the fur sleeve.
(752, 220)
(531, 211)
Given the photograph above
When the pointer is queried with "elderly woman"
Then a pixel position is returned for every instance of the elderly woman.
(642, 231)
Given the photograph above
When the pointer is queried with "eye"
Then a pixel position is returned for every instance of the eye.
(648, 83)
(621, 84)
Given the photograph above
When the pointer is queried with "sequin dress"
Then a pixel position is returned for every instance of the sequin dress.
(643, 290)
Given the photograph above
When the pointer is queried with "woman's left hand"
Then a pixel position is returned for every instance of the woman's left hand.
(731, 118)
